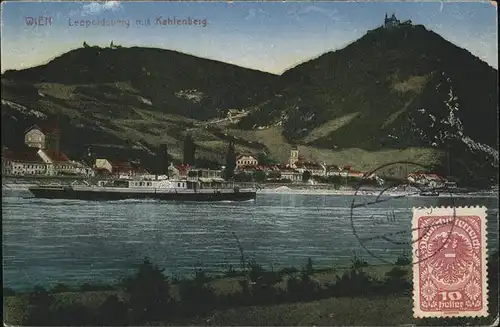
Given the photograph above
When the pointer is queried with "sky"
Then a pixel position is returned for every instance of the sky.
(271, 37)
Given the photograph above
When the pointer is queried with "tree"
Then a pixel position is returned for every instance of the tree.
(274, 174)
(111, 44)
(259, 176)
(162, 160)
(85, 45)
(242, 177)
(265, 160)
(189, 151)
(306, 175)
(40, 302)
(230, 161)
(206, 163)
(149, 292)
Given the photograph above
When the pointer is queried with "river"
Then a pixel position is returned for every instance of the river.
(58, 241)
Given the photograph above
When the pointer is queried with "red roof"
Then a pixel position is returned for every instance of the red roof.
(45, 128)
(29, 155)
(182, 168)
(245, 155)
(120, 164)
(121, 167)
(248, 167)
(56, 156)
(289, 170)
(101, 170)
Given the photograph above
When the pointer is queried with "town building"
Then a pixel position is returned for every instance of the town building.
(314, 168)
(57, 162)
(178, 171)
(83, 169)
(246, 160)
(22, 163)
(116, 168)
(290, 174)
(426, 179)
(333, 170)
(46, 137)
(206, 173)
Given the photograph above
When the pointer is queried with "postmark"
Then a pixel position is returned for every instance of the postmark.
(380, 218)
(452, 282)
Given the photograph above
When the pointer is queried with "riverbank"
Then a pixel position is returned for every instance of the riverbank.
(355, 295)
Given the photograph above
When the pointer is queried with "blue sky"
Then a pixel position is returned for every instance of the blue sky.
(265, 36)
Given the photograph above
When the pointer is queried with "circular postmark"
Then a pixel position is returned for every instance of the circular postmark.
(381, 218)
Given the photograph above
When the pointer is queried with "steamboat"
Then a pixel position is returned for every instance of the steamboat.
(159, 189)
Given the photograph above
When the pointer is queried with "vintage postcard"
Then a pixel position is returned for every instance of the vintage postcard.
(449, 255)
(249, 163)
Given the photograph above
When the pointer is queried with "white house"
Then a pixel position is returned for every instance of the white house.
(291, 174)
(57, 162)
(431, 180)
(246, 160)
(23, 163)
(313, 168)
(46, 137)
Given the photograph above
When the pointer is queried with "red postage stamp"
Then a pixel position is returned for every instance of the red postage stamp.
(449, 270)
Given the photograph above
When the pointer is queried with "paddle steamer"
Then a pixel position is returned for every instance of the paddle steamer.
(201, 189)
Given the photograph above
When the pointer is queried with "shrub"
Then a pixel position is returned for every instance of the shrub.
(231, 272)
(7, 291)
(40, 303)
(60, 288)
(196, 296)
(72, 314)
(88, 287)
(112, 312)
(288, 271)
(303, 288)
(396, 282)
(149, 293)
(358, 262)
(403, 260)
(309, 267)
(263, 283)
(353, 283)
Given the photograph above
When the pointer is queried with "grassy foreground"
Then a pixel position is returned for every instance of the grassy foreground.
(356, 295)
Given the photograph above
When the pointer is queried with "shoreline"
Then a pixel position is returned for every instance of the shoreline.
(24, 187)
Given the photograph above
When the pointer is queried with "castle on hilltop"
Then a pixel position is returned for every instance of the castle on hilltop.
(392, 21)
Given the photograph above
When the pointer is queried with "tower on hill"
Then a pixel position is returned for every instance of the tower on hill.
(294, 156)
(392, 21)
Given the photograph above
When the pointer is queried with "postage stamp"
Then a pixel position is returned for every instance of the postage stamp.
(450, 279)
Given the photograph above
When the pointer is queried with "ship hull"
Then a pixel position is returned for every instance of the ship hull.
(96, 195)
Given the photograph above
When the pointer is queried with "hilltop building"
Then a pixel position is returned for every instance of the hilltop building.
(392, 21)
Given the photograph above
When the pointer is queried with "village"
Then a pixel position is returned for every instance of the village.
(41, 157)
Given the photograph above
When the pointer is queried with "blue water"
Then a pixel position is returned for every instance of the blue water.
(59, 241)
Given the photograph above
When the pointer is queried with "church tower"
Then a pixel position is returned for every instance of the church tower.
(294, 156)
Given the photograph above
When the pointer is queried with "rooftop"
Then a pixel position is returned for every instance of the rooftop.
(46, 128)
(56, 156)
(27, 155)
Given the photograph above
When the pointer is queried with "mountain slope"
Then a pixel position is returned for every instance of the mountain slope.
(373, 84)
(405, 91)
(171, 81)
